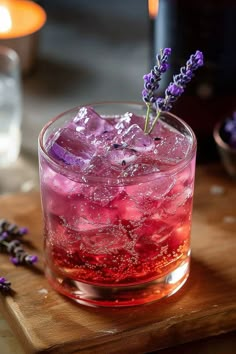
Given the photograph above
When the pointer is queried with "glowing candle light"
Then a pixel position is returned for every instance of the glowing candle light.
(5, 20)
(20, 18)
(153, 8)
(20, 21)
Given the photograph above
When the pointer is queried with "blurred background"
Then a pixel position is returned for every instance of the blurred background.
(91, 50)
(87, 51)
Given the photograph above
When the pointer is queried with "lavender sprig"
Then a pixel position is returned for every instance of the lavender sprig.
(10, 243)
(151, 82)
(12, 230)
(176, 88)
(18, 254)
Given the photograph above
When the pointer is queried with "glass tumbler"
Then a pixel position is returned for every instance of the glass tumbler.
(10, 106)
(117, 241)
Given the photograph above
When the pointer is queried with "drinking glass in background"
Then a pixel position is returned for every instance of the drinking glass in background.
(10, 106)
(114, 238)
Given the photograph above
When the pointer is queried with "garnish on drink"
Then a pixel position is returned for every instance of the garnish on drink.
(173, 91)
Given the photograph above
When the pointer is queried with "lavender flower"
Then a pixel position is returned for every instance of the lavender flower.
(151, 81)
(9, 242)
(5, 285)
(176, 88)
(12, 229)
(3, 236)
(19, 256)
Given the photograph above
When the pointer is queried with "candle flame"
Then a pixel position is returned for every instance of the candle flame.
(153, 8)
(5, 19)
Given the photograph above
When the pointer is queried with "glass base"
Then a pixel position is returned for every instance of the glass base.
(120, 296)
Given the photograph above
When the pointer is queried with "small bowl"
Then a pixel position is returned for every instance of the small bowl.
(226, 152)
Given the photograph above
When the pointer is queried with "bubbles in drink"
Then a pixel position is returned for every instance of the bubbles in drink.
(124, 218)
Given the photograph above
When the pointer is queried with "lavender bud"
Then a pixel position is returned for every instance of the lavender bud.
(151, 80)
(3, 236)
(23, 230)
(160, 103)
(167, 51)
(147, 86)
(5, 285)
(164, 67)
(15, 260)
(175, 90)
(146, 77)
(31, 259)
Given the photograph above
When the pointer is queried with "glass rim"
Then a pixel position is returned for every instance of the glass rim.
(115, 180)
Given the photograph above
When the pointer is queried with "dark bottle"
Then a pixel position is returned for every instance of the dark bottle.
(207, 25)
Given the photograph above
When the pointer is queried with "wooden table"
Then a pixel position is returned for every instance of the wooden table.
(46, 322)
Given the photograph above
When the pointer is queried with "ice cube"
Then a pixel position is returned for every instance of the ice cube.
(174, 203)
(99, 166)
(150, 236)
(57, 191)
(72, 148)
(128, 119)
(59, 183)
(156, 189)
(89, 214)
(104, 240)
(136, 139)
(126, 207)
(123, 122)
(100, 194)
(90, 123)
(185, 180)
(121, 156)
(139, 120)
(170, 146)
(149, 196)
(139, 169)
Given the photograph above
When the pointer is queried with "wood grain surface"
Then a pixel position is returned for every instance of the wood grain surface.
(46, 322)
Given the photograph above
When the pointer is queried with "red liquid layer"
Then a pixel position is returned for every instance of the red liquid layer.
(128, 252)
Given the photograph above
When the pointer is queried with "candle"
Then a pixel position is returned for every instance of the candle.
(20, 22)
(153, 6)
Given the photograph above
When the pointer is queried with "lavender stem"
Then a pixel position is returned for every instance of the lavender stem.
(147, 117)
(155, 120)
(151, 82)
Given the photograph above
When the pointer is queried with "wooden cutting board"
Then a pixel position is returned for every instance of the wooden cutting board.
(46, 322)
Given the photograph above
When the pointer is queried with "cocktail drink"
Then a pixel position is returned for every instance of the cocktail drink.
(117, 187)
(117, 204)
